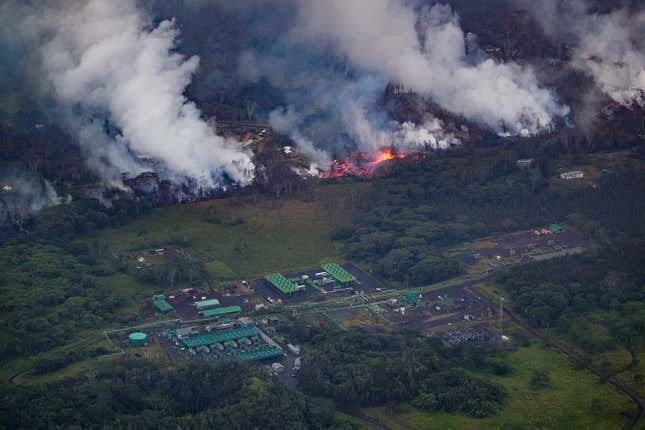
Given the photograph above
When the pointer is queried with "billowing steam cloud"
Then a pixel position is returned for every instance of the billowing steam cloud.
(346, 115)
(608, 46)
(23, 194)
(330, 61)
(337, 58)
(426, 52)
(609, 50)
(113, 70)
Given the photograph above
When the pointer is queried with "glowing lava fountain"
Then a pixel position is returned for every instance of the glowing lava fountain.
(360, 164)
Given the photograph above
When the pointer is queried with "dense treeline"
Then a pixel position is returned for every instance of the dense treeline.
(84, 215)
(60, 360)
(51, 282)
(80, 216)
(456, 391)
(140, 394)
(48, 295)
(359, 368)
(597, 301)
(408, 217)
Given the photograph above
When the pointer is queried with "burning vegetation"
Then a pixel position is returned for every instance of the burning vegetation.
(361, 163)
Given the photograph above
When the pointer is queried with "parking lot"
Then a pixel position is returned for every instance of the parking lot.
(478, 333)
(502, 250)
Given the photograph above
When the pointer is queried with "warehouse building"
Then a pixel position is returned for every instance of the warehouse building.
(161, 304)
(339, 274)
(237, 344)
(227, 310)
(280, 283)
(573, 174)
(205, 304)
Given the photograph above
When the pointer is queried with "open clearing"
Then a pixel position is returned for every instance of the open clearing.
(567, 404)
(246, 236)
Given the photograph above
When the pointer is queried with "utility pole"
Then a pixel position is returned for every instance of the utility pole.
(501, 318)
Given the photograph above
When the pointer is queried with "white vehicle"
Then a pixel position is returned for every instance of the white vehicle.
(277, 367)
(294, 349)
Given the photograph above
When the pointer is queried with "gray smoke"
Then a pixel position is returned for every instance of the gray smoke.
(122, 82)
(426, 52)
(609, 46)
(22, 194)
(334, 60)
(612, 50)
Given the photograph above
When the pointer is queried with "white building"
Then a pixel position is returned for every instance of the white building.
(573, 174)
(526, 162)
(277, 367)
(294, 349)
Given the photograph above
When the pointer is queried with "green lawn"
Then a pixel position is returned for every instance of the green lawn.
(567, 404)
(275, 235)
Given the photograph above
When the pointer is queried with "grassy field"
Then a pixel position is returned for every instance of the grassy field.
(566, 404)
(619, 360)
(20, 365)
(244, 236)
(241, 237)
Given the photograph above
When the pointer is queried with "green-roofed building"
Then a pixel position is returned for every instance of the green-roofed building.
(556, 228)
(219, 337)
(338, 273)
(237, 344)
(220, 311)
(411, 297)
(162, 305)
(204, 304)
(138, 339)
(268, 351)
(281, 283)
(274, 319)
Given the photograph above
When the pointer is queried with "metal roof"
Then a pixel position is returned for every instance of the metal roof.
(219, 336)
(221, 311)
(163, 305)
(207, 303)
(557, 254)
(338, 273)
(261, 353)
(138, 336)
(281, 283)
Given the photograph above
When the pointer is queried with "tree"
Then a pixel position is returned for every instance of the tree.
(540, 380)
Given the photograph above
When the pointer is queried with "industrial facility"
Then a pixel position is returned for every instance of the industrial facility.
(161, 304)
(332, 278)
(233, 341)
(138, 339)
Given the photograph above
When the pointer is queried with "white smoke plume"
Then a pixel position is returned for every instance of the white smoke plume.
(23, 194)
(609, 46)
(354, 107)
(430, 134)
(286, 121)
(112, 68)
(612, 50)
(382, 37)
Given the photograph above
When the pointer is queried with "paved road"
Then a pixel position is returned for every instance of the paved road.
(13, 377)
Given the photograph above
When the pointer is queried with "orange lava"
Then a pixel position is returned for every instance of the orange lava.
(383, 156)
(360, 164)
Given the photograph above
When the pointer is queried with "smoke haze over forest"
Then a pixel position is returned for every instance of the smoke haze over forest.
(119, 75)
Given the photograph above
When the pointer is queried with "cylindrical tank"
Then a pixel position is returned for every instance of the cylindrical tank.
(138, 339)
